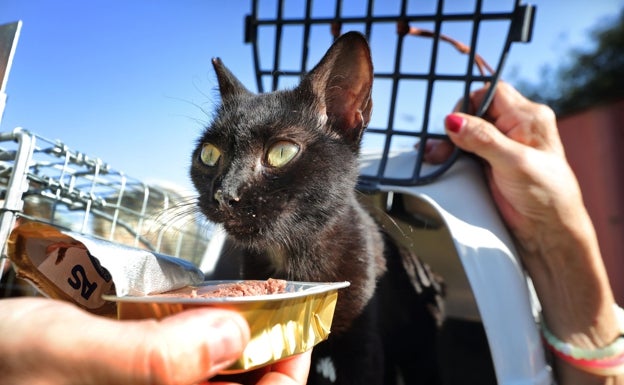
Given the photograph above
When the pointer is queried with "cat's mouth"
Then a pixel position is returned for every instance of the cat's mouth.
(238, 229)
(254, 230)
(244, 225)
(250, 235)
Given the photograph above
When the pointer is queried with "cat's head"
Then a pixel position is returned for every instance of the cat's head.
(276, 166)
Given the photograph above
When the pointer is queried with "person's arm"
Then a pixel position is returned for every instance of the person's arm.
(539, 198)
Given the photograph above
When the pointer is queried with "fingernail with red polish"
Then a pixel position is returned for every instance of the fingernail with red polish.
(454, 123)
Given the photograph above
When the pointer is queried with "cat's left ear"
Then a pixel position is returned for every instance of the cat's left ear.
(342, 81)
(229, 86)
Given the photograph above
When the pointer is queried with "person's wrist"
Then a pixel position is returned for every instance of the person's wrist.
(572, 285)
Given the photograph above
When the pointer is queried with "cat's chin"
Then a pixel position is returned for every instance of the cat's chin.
(250, 242)
(241, 231)
(257, 234)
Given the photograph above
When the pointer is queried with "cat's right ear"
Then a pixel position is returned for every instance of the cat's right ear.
(342, 83)
(229, 86)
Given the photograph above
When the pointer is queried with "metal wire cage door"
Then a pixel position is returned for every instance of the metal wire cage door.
(45, 181)
(427, 56)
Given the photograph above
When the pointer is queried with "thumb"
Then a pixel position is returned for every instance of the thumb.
(181, 349)
(475, 135)
(198, 342)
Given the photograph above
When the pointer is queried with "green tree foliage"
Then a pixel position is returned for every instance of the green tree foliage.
(588, 78)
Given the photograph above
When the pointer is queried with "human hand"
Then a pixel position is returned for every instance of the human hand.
(531, 182)
(46, 341)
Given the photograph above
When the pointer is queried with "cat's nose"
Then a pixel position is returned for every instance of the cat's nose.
(226, 199)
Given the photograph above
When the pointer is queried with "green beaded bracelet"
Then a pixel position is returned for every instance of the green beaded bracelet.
(616, 348)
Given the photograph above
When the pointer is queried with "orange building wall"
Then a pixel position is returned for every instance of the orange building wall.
(594, 145)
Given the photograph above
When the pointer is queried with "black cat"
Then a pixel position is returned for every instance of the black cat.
(279, 171)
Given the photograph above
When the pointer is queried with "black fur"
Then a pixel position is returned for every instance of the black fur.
(302, 221)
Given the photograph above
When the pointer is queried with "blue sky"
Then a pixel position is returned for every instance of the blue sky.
(131, 81)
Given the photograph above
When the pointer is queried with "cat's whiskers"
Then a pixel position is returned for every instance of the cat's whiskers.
(378, 212)
(207, 111)
(180, 222)
(178, 216)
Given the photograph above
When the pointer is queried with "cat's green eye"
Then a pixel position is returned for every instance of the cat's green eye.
(210, 154)
(281, 153)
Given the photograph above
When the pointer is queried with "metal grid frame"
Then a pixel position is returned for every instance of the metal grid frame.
(520, 22)
(45, 181)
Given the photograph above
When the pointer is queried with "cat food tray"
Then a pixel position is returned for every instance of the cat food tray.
(281, 324)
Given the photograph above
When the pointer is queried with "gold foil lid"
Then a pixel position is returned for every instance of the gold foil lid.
(281, 324)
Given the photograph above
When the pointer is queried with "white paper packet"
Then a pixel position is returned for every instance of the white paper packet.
(75, 267)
